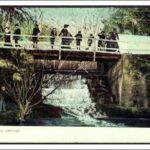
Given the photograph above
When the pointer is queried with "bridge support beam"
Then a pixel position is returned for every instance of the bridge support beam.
(60, 54)
(100, 67)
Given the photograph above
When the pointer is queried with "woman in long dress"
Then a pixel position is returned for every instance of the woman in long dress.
(2, 99)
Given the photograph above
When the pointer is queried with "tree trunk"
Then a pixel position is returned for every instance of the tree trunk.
(23, 111)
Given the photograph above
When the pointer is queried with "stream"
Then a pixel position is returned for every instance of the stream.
(78, 109)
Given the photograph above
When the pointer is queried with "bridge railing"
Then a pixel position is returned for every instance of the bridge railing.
(25, 42)
(124, 46)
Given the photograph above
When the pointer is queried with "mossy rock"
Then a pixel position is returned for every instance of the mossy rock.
(8, 117)
(126, 112)
(46, 111)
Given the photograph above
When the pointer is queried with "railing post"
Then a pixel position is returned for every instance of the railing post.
(60, 50)
(94, 51)
(128, 50)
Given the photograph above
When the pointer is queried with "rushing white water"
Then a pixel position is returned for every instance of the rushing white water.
(76, 102)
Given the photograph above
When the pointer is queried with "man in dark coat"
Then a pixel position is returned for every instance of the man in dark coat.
(114, 37)
(64, 33)
(69, 39)
(35, 33)
(17, 34)
(108, 42)
(101, 36)
(53, 36)
(7, 37)
(78, 39)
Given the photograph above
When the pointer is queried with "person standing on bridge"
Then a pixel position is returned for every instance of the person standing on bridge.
(101, 42)
(109, 43)
(7, 36)
(17, 34)
(35, 33)
(114, 37)
(90, 41)
(53, 36)
(64, 33)
(69, 40)
(78, 39)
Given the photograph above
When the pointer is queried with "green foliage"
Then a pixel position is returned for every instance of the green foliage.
(137, 83)
(121, 18)
(139, 63)
(14, 65)
(135, 20)
(12, 14)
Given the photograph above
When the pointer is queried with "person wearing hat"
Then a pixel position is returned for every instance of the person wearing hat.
(7, 36)
(17, 34)
(101, 42)
(53, 34)
(78, 39)
(90, 41)
(35, 33)
(114, 36)
(64, 33)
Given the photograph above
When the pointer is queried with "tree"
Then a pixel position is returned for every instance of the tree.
(16, 13)
(136, 20)
(25, 82)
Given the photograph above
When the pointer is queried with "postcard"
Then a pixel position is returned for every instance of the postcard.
(74, 73)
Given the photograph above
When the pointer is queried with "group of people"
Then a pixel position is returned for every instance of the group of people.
(16, 37)
(109, 41)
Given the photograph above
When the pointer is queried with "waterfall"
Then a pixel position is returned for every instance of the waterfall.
(74, 98)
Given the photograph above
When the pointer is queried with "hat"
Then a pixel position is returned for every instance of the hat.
(66, 25)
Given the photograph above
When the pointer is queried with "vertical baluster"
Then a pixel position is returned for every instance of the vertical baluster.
(60, 49)
(94, 50)
(127, 48)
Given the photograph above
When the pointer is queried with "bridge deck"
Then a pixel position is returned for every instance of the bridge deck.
(74, 55)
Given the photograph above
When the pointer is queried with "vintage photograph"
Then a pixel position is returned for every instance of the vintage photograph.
(75, 66)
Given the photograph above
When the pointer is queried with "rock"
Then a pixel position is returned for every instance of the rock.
(46, 111)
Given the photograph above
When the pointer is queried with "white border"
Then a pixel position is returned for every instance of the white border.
(72, 3)
(66, 134)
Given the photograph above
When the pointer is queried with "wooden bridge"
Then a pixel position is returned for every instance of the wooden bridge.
(128, 44)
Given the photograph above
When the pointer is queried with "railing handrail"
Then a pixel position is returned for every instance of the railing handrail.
(72, 37)
(66, 37)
